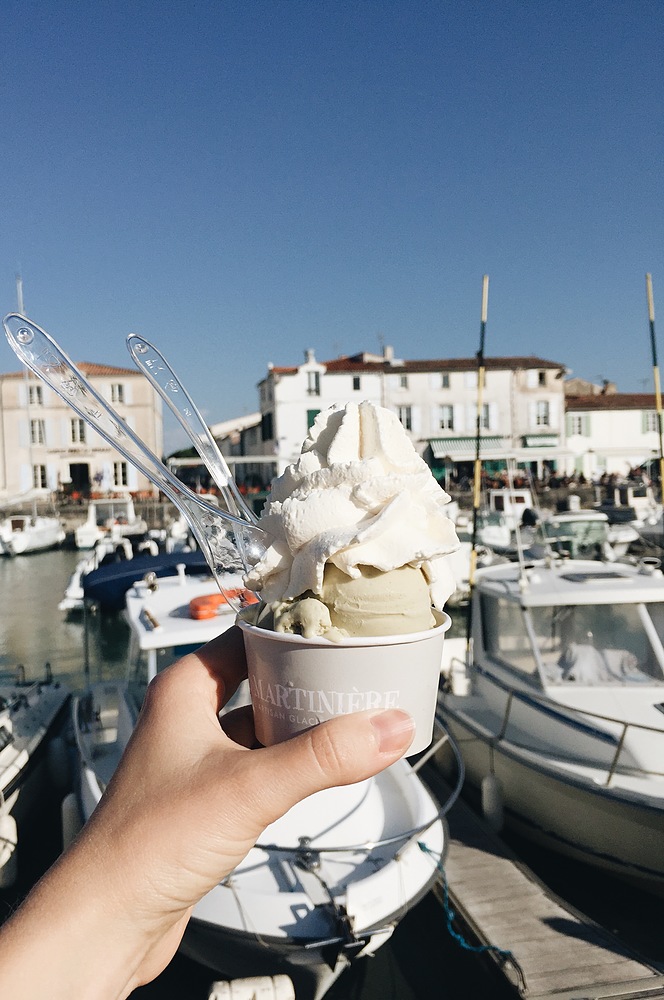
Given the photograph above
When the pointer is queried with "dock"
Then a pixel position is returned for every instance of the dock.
(544, 948)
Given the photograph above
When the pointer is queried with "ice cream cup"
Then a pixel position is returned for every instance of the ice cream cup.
(297, 683)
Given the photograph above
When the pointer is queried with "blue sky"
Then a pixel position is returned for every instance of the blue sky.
(242, 181)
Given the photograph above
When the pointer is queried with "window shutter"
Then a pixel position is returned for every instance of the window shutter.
(568, 424)
(586, 424)
(415, 419)
(532, 415)
(493, 416)
(459, 413)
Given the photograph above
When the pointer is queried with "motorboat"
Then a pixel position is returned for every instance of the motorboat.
(111, 519)
(105, 552)
(329, 881)
(578, 534)
(24, 533)
(33, 715)
(557, 706)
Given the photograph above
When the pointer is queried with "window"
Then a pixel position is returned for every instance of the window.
(35, 395)
(78, 431)
(541, 378)
(650, 421)
(576, 423)
(267, 427)
(37, 432)
(313, 383)
(447, 418)
(403, 381)
(445, 380)
(120, 477)
(485, 421)
(405, 414)
(311, 416)
(356, 382)
(542, 413)
(39, 477)
(117, 393)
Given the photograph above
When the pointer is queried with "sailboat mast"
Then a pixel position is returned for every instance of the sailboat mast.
(658, 393)
(477, 478)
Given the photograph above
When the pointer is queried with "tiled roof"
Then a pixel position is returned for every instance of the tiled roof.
(91, 368)
(612, 401)
(356, 363)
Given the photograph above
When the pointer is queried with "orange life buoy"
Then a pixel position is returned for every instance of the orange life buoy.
(207, 606)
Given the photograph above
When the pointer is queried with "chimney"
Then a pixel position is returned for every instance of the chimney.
(309, 357)
(388, 354)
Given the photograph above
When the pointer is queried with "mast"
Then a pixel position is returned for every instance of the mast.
(658, 394)
(32, 487)
(477, 477)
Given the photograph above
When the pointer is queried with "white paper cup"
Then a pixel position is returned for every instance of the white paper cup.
(297, 683)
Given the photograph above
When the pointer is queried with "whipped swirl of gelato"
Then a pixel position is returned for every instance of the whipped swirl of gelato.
(358, 496)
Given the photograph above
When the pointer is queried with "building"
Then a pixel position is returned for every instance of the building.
(611, 432)
(45, 447)
(522, 414)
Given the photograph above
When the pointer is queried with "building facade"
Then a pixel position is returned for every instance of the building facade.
(46, 448)
(611, 433)
(521, 410)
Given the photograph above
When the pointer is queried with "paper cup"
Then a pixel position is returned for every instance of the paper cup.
(297, 683)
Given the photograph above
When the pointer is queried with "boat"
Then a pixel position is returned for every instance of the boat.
(33, 715)
(557, 706)
(111, 519)
(24, 533)
(329, 881)
(577, 533)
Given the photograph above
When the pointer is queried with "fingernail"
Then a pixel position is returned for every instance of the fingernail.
(395, 730)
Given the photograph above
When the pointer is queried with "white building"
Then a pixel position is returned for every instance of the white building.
(436, 401)
(45, 447)
(611, 432)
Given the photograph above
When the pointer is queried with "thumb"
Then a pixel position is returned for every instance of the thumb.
(344, 750)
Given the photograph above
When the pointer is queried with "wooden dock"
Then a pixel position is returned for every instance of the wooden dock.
(558, 953)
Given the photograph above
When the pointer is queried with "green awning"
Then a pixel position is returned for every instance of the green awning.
(456, 446)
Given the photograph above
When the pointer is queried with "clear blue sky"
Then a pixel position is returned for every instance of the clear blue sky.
(241, 181)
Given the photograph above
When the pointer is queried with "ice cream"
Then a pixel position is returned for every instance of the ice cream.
(357, 534)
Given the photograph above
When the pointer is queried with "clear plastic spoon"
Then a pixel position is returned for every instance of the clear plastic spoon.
(159, 373)
(42, 355)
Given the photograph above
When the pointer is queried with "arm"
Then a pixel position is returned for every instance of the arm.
(184, 807)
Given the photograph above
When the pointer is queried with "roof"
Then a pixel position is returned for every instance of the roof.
(612, 401)
(90, 368)
(364, 362)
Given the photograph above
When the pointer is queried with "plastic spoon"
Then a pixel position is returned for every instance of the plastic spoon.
(39, 352)
(159, 373)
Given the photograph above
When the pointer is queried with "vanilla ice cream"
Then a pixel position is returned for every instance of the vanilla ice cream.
(356, 533)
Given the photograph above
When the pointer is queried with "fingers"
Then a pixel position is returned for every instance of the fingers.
(342, 751)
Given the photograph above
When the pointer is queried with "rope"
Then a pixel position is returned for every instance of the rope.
(503, 955)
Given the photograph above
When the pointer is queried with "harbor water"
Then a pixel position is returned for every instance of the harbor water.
(422, 960)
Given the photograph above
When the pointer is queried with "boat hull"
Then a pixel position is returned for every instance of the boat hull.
(593, 823)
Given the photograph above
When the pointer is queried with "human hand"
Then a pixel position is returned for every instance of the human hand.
(186, 804)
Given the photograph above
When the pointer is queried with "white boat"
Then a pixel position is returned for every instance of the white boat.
(32, 755)
(110, 520)
(24, 533)
(329, 881)
(106, 550)
(510, 502)
(578, 533)
(558, 708)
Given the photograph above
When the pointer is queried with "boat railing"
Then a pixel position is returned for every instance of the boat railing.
(546, 705)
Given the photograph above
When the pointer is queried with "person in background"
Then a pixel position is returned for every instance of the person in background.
(187, 802)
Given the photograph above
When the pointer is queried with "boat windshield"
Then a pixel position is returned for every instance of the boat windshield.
(578, 539)
(144, 664)
(599, 644)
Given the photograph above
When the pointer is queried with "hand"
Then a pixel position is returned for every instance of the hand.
(187, 802)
